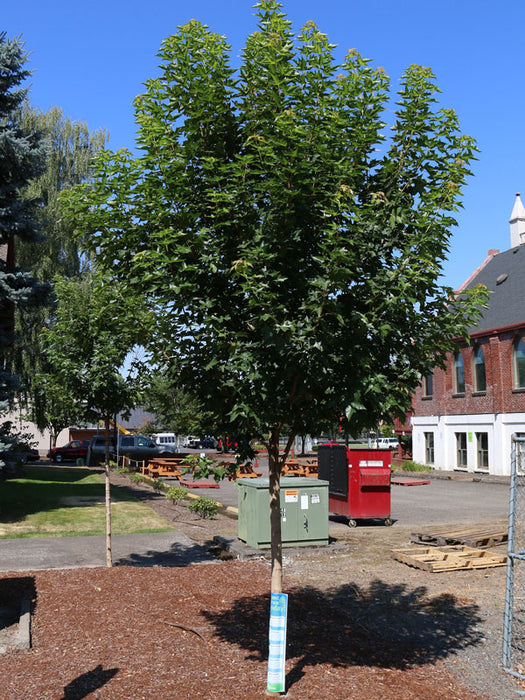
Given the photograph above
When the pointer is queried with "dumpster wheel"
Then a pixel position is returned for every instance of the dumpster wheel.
(388, 522)
(352, 522)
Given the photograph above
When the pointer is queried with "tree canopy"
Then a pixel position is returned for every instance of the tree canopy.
(87, 346)
(175, 409)
(293, 250)
(69, 160)
(290, 245)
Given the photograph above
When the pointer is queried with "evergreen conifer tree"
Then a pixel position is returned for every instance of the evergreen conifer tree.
(22, 158)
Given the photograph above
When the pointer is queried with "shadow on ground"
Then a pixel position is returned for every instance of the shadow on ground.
(388, 626)
(88, 682)
(42, 488)
(179, 554)
(13, 590)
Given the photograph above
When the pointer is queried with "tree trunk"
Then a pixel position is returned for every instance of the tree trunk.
(275, 514)
(275, 463)
(109, 560)
(277, 644)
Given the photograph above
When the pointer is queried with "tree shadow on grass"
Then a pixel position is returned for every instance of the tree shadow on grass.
(49, 488)
(387, 626)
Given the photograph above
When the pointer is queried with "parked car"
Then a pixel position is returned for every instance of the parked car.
(70, 452)
(387, 443)
(195, 443)
(28, 454)
(136, 447)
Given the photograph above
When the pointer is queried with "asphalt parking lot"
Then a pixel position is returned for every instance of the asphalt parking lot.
(450, 497)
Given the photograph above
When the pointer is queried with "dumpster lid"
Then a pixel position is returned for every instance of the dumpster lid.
(376, 472)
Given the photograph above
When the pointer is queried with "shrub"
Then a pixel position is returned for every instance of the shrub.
(124, 470)
(176, 493)
(136, 478)
(410, 466)
(158, 485)
(205, 507)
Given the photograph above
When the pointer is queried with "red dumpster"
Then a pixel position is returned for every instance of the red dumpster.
(359, 482)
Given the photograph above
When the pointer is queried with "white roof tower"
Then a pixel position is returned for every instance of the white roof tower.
(517, 223)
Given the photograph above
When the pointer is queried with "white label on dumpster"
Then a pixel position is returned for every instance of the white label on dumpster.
(291, 496)
(316, 498)
(304, 501)
(370, 463)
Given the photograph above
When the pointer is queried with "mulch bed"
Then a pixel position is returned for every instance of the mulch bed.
(360, 626)
(202, 632)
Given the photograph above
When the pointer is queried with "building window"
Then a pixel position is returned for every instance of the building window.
(519, 363)
(461, 450)
(459, 374)
(428, 385)
(480, 379)
(429, 448)
(482, 440)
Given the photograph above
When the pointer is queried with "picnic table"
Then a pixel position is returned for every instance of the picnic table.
(165, 466)
(300, 466)
(245, 471)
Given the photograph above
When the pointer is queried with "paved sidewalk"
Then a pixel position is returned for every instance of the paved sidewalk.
(146, 549)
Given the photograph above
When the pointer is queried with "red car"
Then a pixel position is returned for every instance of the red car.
(76, 449)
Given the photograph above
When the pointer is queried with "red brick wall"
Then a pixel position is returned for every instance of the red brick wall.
(499, 397)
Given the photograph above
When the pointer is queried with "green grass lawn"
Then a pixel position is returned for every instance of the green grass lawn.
(60, 501)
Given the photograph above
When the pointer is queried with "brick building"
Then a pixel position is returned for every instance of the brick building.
(465, 415)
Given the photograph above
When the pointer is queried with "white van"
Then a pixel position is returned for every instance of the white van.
(387, 443)
(166, 442)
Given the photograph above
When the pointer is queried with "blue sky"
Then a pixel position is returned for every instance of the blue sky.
(92, 58)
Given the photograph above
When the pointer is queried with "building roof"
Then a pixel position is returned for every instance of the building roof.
(504, 276)
(137, 418)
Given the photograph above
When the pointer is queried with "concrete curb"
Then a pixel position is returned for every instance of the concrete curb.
(239, 549)
(477, 477)
(24, 626)
(17, 633)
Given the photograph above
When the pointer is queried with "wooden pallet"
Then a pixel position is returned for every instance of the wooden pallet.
(408, 481)
(203, 484)
(453, 558)
(479, 536)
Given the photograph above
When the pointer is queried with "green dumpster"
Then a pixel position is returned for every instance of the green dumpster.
(304, 512)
